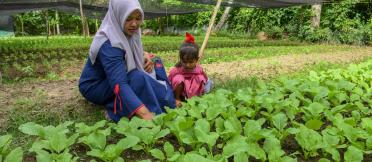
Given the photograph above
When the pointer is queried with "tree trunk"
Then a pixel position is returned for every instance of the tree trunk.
(223, 19)
(97, 25)
(82, 19)
(57, 23)
(86, 26)
(315, 20)
(22, 26)
(47, 23)
(160, 30)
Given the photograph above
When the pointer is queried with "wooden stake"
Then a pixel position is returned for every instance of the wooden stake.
(211, 23)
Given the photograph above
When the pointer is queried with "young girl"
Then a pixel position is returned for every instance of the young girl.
(187, 77)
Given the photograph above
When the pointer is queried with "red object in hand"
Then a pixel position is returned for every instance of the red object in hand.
(189, 38)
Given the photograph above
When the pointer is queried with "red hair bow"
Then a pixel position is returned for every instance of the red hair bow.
(189, 38)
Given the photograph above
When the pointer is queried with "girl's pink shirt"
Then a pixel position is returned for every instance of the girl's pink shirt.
(194, 80)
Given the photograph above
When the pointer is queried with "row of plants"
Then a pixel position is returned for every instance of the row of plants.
(324, 116)
(11, 46)
(52, 62)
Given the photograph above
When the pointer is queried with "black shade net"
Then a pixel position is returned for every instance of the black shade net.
(258, 3)
(152, 8)
(94, 8)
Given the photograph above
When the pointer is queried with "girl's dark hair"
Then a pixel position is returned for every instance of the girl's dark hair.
(189, 51)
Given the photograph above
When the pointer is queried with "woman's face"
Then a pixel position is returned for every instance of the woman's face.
(133, 23)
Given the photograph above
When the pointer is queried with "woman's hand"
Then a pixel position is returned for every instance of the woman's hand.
(149, 65)
(144, 113)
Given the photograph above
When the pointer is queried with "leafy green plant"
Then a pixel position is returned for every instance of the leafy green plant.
(113, 152)
(146, 131)
(93, 136)
(52, 143)
(6, 154)
(309, 140)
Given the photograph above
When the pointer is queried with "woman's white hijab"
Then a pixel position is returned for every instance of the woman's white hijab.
(112, 28)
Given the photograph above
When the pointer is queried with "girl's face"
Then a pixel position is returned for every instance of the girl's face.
(189, 63)
(133, 23)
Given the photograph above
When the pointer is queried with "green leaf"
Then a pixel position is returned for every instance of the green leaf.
(203, 124)
(96, 153)
(202, 133)
(146, 135)
(195, 112)
(234, 147)
(118, 159)
(43, 156)
(169, 149)
(288, 159)
(273, 148)
(369, 143)
(367, 124)
(85, 129)
(353, 154)
(354, 97)
(175, 157)
(59, 141)
(137, 147)
(157, 154)
(309, 139)
(232, 126)
(203, 151)
(162, 133)
(241, 157)
(330, 137)
(65, 157)
(334, 152)
(145, 160)
(31, 128)
(280, 121)
(293, 130)
(195, 157)
(213, 113)
(127, 142)
(15, 155)
(136, 123)
(4, 143)
(95, 140)
(256, 151)
(323, 160)
(314, 124)
(315, 108)
(219, 124)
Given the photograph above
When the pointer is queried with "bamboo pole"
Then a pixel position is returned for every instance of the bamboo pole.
(211, 23)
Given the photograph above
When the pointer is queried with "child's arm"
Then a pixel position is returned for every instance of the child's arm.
(178, 94)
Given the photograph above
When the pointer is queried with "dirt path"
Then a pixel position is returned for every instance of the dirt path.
(57, 96)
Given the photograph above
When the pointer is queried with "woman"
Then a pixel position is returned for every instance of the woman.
(117, 74)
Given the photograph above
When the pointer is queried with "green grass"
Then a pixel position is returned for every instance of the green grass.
(240, 54)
